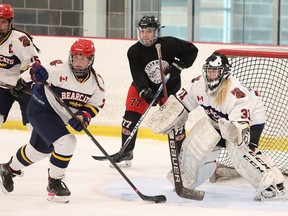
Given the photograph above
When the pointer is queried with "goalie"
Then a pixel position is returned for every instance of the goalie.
(219, 104)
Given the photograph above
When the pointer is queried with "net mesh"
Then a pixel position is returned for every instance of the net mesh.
(268, 75)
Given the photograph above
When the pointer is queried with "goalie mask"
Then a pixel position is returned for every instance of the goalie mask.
(215, 71)
(147, 25)
(85, 49)
(7, 14)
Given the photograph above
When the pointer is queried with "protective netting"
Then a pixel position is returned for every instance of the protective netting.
(268, 75)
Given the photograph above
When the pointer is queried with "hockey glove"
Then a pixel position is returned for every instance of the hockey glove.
(84, 118)
(20, 88)
(175, 69)
(38, 73)
(147, 94)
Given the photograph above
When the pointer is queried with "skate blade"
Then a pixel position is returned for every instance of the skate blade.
(57, 199)
(122, 164)
(3, 188)
(279, 197)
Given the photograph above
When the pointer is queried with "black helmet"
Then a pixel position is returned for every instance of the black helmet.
(149, 22)
(217, 61)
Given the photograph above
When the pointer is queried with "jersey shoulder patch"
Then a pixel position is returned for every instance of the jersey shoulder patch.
(55, 62)
(196, 79)
(238, 93)
(24, 40)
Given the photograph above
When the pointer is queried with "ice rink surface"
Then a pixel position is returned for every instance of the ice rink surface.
(100, 190)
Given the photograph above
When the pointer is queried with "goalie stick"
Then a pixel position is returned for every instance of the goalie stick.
(153, 199)
(179, 188)
(118, 155)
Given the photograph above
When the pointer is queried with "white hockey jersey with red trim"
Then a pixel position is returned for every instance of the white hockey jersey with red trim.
(240, 104)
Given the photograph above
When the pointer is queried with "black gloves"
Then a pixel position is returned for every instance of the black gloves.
(21, 88)
(147, 94)
(175, 69)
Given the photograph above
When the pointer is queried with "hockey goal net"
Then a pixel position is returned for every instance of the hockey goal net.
(265, 70)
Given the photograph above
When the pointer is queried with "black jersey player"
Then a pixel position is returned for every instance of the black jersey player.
(177, 54)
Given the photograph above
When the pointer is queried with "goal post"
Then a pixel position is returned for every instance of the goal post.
(265, 70)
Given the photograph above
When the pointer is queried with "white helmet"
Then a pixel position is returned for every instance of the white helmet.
(216, 61)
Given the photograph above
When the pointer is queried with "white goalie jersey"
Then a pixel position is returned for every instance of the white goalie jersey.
(240, 103)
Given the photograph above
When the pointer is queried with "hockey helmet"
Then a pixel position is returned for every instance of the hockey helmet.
(219, 63)
(6, 12)
(148, 22)
(82, 47)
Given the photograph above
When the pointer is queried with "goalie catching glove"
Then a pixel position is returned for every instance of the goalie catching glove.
(84, 118)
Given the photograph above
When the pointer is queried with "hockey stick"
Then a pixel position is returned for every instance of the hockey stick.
(154, 199)
(26, 91)
(159, 54)
(118, 155)
(179, 188)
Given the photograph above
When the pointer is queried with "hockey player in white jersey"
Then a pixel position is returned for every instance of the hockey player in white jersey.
(17, 52)
(82, 89)
(236, 113)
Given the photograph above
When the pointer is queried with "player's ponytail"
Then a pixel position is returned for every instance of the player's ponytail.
(29, 36)
(97, 77)
(222, 92)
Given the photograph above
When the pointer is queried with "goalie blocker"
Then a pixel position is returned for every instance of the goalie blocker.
(199, 151)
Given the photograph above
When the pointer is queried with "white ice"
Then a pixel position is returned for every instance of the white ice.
(100, 190)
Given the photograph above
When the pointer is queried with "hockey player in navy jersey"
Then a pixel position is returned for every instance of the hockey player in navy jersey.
(82, 89)
(17, 52)
(144, 66)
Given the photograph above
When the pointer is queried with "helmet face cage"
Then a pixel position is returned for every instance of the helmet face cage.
(85, 48)
(217, 62)
(148, 22)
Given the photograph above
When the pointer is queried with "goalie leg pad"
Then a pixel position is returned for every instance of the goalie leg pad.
(259, 171)
(206, 170)
(196, 153)
(170, 115)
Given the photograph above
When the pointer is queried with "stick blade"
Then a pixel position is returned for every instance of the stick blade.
(103, 158)
(191, 194)
(154, 199)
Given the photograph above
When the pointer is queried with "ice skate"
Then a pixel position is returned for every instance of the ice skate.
(7, 175)
(272, 193)
(57, 191)
(123, 160)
